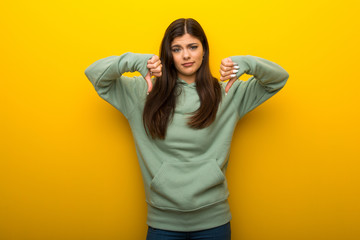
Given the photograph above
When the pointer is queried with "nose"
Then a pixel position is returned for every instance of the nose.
(186, 54)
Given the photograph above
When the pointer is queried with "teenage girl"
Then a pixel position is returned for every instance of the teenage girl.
(182, 119)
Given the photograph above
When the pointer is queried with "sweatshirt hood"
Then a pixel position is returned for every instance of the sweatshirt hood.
(185, 84)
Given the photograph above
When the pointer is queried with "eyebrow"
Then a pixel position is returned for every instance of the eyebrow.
(177, 45)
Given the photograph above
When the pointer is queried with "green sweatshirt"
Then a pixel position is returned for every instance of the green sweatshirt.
(184, 175)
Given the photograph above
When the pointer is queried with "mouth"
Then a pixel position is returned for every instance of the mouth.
(189, 64)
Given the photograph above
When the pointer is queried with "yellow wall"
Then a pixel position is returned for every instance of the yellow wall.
(68, 166)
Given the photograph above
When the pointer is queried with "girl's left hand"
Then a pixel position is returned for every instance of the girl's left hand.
(228, 70)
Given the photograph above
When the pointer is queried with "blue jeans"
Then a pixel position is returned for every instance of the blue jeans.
(222, 232)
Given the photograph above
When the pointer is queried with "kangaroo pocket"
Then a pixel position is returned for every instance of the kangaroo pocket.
(188, 186)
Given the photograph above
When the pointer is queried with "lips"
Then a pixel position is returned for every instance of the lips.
(189, 64)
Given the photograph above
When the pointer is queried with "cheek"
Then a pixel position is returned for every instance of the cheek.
(201, 54)
(176, 60)
(177, 63)
(200, 58)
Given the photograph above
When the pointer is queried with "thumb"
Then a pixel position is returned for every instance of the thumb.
(232, 80)
(229, 84)
(148, 81)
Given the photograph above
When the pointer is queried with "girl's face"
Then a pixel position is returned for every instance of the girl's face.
(187, 52)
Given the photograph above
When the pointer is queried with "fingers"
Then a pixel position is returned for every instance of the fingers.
(155, 67)
(228, 74)
(153, 62)
(154, 58)
(228, 70)
(227, 62)
(157, 72)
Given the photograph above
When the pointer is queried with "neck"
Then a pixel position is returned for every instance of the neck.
(188, 79)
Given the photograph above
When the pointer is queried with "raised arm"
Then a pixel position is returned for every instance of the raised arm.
(120, 91)
(268, 78)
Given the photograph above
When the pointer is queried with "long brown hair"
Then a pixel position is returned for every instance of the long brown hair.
(161, 101)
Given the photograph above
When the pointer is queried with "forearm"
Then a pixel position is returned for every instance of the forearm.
(102, 72)
(269, 74)
(120, 91)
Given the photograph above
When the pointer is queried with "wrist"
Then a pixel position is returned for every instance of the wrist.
(242, 63)
(141, 62)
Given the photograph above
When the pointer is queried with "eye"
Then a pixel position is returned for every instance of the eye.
(176, 49)
(194, 47)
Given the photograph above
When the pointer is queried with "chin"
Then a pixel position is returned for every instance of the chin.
(188, 74)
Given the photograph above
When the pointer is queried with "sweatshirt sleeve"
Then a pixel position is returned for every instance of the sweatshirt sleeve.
(268, 79)
(120, 91)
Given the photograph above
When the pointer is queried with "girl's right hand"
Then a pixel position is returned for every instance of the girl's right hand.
(155, 69)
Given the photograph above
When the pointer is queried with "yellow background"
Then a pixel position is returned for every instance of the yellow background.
(68, 166)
